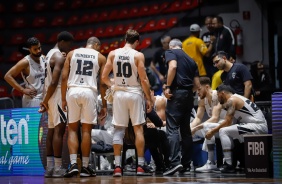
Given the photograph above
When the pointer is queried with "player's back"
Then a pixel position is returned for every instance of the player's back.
(49, 69)
(84, 68)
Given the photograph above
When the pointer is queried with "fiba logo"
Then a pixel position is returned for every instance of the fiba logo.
(255, 148)
(11, 133)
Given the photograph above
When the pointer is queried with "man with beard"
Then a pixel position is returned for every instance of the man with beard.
(52, 103)
(31, 67)
(252, 121)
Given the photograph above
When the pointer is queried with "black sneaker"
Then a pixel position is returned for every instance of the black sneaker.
(72, 171)
(172, 170)
(185, 171)
(87, 172)
(159, 170)
(226, 168)
(144, 170)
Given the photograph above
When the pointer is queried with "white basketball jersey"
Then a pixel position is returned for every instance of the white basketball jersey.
(48, 78)
(125, 71)
(214, 102)
(84, 68)
(249, 113)
(36, 76)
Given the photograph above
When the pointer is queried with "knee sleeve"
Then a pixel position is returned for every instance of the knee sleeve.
(118, 135)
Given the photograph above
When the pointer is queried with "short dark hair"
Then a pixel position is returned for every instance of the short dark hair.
(219, 19)
(205, 81)
(66, 36)
(131, 36)
(226, 88)
(31, 42)
(220, 54)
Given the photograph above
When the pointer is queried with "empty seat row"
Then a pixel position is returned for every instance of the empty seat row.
(24, 6)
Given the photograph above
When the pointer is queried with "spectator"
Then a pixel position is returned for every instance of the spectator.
(194, 47)
(32, 69)
(159, 59)
(182, 77)
(252, 121)
(261, 82)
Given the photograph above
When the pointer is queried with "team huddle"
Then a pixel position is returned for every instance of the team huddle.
(67, 83)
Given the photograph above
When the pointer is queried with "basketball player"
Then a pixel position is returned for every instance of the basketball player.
(130, 81)
(57, 118)
(31, 67)
(252, 121)
(80, 72)
(208, 102)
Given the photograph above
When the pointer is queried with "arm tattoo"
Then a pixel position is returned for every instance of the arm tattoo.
(230, 108)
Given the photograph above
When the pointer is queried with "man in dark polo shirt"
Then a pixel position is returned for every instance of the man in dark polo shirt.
(182, 77)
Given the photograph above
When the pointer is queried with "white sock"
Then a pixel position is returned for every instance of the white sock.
(211, 153)
(73, 158)
(117, 160)
(58, 162)
(228, 157)
(50, 161)
(85, 161)
(141, 161)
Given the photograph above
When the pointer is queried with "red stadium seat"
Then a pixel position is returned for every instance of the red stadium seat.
(19, 7)
(164, 6)
(154, 9)
(40, 6)
(124, 13)
(39, 22)
(134, 12)
(171, 22)
(160, 25)
(109, 31)
(17, 39)
(76, 4)
(93, 17)
(53, 38)
(79, 35)
(119, 30)
(58, 21)
(99, 32)
(89, 33)
(114, 45)
(104, 48)
(114, 15)
(4, 91)
(59, 5)
(15, 56)
(189, 4)
(41, 37)
(144, 44)
(19, 22)
(148, 27)
(85, 19)
(128, 26)
(138, 26)
(144, 10)
(103, 16)
(73, 20)
(174, 7)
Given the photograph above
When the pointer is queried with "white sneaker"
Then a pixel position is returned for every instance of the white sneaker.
(207, 167)
(104, 163)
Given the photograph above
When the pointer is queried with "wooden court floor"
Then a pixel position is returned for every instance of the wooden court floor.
(108, 179)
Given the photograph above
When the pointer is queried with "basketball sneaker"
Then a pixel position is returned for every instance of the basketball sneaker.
(208, 167)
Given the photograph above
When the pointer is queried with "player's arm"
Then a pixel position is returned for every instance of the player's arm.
(65, 76)
(160, 106)
(14, 72)
(140, 63)
(215, 114)
(108, 68)
(231, 108)
(248, 88)
(200, 114)
(58, 59)
(103, 87)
